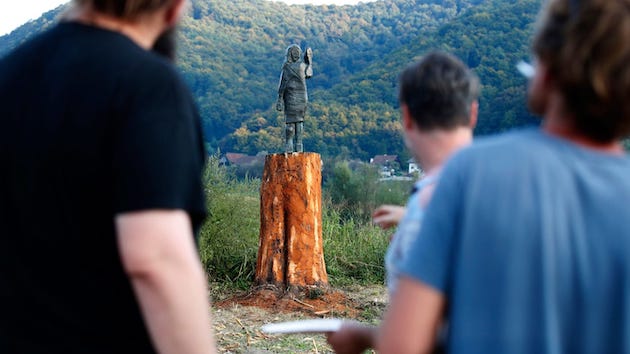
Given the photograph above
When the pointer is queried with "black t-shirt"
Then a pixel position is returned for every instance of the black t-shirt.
(91, 125)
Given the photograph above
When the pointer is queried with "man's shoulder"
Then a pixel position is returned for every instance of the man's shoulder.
(536, 146)
(33, 44)
(515, 139)
(532, 154)
(149, 67)
(90, 49)
(118, 54)
(138, 69)
(508, 146)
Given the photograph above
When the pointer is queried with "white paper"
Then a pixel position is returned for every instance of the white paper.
(304, 326)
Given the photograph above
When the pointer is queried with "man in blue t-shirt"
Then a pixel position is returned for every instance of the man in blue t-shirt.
(438, 99)
(525, 246)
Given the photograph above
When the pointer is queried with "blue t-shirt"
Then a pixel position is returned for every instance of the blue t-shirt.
(528, 238)
(408, 229)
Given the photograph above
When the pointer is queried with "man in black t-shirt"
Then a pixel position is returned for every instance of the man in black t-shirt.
(101, 157)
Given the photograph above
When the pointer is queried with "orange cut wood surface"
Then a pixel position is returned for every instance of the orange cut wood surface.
(291, 251)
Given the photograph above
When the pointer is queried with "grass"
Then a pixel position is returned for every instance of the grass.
(228, 246)
(353, 248)
(228, 241)
(238, 328)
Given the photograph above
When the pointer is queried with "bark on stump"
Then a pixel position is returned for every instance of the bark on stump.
(290, 253)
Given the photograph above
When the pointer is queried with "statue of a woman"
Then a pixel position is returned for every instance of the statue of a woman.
(292, 95)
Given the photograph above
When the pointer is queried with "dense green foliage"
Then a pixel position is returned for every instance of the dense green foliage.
(360, 113)
(353, 247)
(231, 53)
(355, 191)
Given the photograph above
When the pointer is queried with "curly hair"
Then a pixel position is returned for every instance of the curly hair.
(127, 9)
(439, 90)
(586, 46)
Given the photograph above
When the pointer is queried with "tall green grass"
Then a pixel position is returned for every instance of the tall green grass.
(228, 241)
(353, 248)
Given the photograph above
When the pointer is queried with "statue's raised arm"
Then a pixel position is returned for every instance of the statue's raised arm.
(308, 60)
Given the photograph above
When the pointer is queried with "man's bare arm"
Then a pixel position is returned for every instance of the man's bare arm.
(159, 255)
(411, 323)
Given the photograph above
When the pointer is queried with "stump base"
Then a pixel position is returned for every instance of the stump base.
(291, 251)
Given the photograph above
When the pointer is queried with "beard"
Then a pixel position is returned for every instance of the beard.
(166, 44)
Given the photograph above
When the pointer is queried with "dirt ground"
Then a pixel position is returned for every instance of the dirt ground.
(239, 317)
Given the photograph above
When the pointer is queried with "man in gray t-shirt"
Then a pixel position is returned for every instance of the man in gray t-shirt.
(438, 102)
(525, 246)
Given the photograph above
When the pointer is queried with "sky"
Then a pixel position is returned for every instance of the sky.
(17, 12)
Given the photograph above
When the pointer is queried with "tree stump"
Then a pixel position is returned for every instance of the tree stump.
(290, 253)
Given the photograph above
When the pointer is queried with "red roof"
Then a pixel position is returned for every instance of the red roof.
(242, 159)
(234, 157)
(383, 159)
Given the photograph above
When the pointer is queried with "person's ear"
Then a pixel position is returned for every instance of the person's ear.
(474, 112)
(174, 12)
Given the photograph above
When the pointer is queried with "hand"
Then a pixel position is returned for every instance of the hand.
(351, 338)
(279, 105)
(308, 56)
(388, 216)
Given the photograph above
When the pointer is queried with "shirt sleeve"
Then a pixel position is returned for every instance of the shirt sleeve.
(158, 148)
(431, 255)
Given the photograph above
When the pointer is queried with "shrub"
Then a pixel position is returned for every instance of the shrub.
(355, 193)
(392, 192)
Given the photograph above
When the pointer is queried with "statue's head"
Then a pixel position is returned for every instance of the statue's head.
(293, 53)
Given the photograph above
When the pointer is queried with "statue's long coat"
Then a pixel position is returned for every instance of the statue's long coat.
(293, 90)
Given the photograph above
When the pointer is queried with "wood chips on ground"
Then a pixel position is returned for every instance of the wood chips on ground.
(239, 317)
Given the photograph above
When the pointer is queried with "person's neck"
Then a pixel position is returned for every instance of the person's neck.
(439, 145)
(144, 31)
(557, 122)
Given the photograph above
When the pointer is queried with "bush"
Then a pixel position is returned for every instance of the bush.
(393, 192)
(355, 193)
(352, 193)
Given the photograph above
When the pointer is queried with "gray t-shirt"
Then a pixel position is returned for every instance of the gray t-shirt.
(408, 229)
(528, 237)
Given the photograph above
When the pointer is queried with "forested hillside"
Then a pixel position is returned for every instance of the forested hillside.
(231, 53)
(359, 115)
